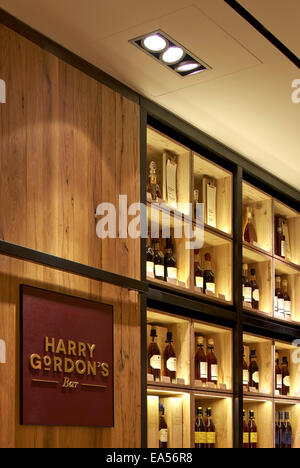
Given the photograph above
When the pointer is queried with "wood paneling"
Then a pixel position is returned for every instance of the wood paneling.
(67, 143)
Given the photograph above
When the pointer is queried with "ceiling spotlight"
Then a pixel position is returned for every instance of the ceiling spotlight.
(155, 43)
(187, 66)
(172, 55)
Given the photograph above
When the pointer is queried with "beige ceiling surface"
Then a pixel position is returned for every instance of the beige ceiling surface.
(244, 101)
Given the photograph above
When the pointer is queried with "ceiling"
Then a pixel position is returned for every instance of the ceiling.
(244, 101)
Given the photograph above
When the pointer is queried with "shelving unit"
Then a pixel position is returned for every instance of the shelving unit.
(264, 417)
(264, 357)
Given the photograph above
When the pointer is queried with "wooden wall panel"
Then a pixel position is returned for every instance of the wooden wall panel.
(67, 143)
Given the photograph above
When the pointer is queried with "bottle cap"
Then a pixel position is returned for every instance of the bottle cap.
(200, 410)
(211, 342)
(284, 282)
(207, 257)
(200, 340)
(280, 414)
(169, 336)
(153, 333)
(245, 266)
(251, 414)
(278, 279)
(284, 360)
(287, 415)
(161, 408)
(208, 412)
(253, 352)
(252, 271)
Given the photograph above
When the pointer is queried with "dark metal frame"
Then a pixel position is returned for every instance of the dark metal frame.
(234, 316)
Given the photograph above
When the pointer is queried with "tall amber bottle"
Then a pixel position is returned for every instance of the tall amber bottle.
(200, 431)
(210, 430)
(285, 377)
(201, 366)
(245, 373)
(163, 428)
(212, 363)
(278, 375)
(170, 362)
(253, 371)
(154, 357)
(246, 439)
(253, 439)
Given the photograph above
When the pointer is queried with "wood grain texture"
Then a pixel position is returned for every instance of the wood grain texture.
(67, 144)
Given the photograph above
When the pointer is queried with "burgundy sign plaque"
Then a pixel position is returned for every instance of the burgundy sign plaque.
(67, 360)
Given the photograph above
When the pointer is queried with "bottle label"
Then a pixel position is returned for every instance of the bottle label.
(211, 287)
(163, 435)
(281, 305)
(155, 361)
(275, 304)
(199, 281)
(211, 206)
(253, 438)
(214, 372)
(278, 381)
(246, 438)
(172, 364)
(255, 377)
(245, 377)
(203, 370)
(256, 295)
(287, 381)
(211, 437)
(247, 293)
(160, 271)
(172, 273)
(150, 269)
(287, 307)
(282, 248)
(200, 438)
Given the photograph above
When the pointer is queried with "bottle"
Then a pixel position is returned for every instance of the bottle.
(250, 235)
(163, 428)
(212, 363)
(277, 433)
(170, 362)
(170, 262)
(245, 373)
(278, 375)
(245, 432)
(200, 431)
(196, 200)
(210, 430)
(288, 431)
(152, 186)
(159, 268)
(201, 366)
(150, 259)
(253, 371)
(253, 439)
(279, 300)
(255, 290)
(280, 240)
(282, 431)
(247, 289)
(154, 357)
(209, 277)
(198, 274)
(286, 300)
(285, 377)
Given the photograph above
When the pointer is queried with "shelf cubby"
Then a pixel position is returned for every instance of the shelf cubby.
(293, 408)
(292, 218)
(264, 358)
(292, 275)
(223, 347)
(261, 204)
(292, 352)
(264, 418)
(202, 169)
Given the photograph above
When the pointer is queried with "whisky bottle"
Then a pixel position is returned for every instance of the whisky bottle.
(253, 439)
(200, 431)
(196, 200)
(210, 430)
(209, 277)
(278, 375)
(253, 371)
(150, 259)
(277, 432)
(154, 357)
(212, 363)
(245, 432)
(288, 431)
(280, 239)
(245, 373)
(286, 300)
(170, 262)
(198, 274)
(152, 186)
(170, 362)
(163, 428)
(247, 289)
(159, 267)
(250, 235)
(285, 377)
(255, 290)
(279, 300)
(201, 366)
(282, 431)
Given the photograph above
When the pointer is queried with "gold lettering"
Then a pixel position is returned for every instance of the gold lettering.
(81, 349)
(35, 362)
(78, 364)
(72, 348)
(57, 365)
(105, 369)
(49, 346)
(61, 347)
(69, 366)
(66, 382)
(47, 363)
(91, 349)
(91, 368)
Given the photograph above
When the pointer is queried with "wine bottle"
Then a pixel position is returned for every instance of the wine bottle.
(150, 259)
(285, 377)
(170, 262)
(277, 432)
(247, 289)
(212, 363)
(154, 357)
(201, 366)
(200, 431)
(280, 239)
(282, 431)
(209, 277)
(250, 235)
(163, 428)
(279, 300)
(159, 268)
(253, 371)
(246, 439)
(210, 430)
(253, 438)
(255, 290)
(198, 274)
(170, 362)
(152, 187)
(245, 373)
(287, 300)
(288, 431)
(278, 375)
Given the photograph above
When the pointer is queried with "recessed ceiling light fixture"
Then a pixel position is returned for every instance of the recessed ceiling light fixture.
(170, 53)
